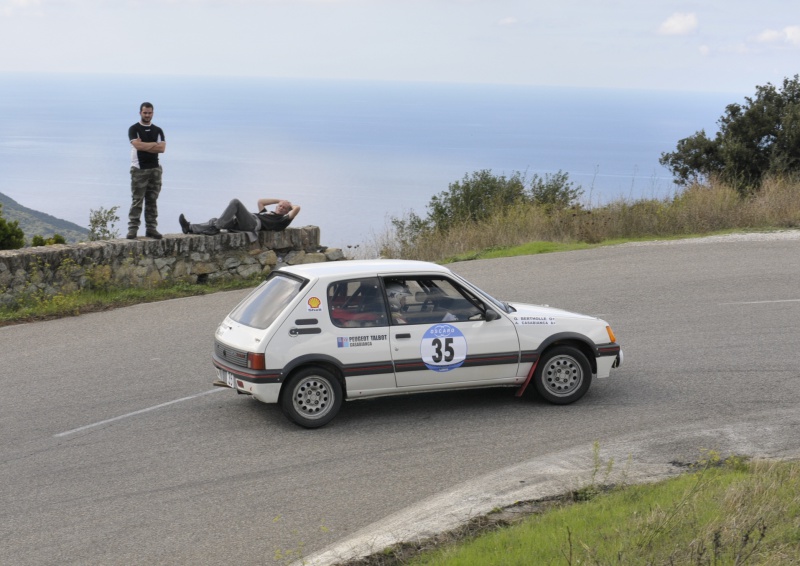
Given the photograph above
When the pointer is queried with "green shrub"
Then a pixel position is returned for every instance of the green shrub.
(102, 224)
(38, 240)
(480, 199)
(11, 235)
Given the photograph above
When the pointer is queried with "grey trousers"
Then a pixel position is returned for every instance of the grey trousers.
(234, 217)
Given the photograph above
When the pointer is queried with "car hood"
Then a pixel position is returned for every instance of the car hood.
(523, 309)
(535, 322)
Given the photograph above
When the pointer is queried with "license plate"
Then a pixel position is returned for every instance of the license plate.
(228, 378)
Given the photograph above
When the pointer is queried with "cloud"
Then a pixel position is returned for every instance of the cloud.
(509, 21)
(10, 8)
(679, 24)
(790, 34)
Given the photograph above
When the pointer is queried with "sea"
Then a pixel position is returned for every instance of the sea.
(353, 154)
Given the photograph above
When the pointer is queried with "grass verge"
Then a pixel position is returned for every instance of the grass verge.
(731, 511)
(544, 247)
(46, 307)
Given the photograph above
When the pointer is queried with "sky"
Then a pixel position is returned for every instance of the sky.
(689, 45)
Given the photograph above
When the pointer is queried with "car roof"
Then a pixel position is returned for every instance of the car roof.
(363, 268)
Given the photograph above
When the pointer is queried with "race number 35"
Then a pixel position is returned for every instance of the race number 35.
(443, 347)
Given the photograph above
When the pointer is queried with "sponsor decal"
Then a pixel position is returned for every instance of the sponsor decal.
(443, 347)
(314, 304)
(358, 341)
(534, 320)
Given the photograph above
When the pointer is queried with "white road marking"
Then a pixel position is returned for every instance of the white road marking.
(763, 302)
(139, 412)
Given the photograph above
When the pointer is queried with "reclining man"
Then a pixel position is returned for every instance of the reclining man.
(236, 218)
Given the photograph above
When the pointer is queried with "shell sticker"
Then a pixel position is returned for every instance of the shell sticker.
(314, 304)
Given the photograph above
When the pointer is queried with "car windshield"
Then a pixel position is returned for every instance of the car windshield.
(262, 306)
(505, 307)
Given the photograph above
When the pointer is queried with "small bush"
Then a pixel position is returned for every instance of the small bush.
(11, 235)
(102, 224)
(38, 240)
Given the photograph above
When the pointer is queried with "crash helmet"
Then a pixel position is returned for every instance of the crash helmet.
(396, 293)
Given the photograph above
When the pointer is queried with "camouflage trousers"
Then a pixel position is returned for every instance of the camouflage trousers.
(145, 187)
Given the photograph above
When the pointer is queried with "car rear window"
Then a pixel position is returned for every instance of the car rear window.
(266, 302)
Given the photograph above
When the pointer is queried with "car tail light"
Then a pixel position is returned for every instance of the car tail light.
(256, 361)
(611, 334)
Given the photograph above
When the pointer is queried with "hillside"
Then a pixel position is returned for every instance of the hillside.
(38, 223)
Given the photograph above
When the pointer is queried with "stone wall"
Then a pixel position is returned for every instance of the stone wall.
(50, 270)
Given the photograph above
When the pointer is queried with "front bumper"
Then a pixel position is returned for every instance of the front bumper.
(606, 363)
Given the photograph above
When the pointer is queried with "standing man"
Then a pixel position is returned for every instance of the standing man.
(147, 141)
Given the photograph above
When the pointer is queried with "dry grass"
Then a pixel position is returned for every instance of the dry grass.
(698, 209)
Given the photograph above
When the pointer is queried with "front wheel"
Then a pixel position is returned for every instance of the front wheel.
(312, 397)
(563, 375)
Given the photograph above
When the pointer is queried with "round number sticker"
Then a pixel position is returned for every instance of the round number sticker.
(443, 347)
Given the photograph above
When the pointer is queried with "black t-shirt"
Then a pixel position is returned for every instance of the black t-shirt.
(272, 221)
(151, 133)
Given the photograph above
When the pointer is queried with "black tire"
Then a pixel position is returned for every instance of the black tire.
(312, 397)
(563, 375)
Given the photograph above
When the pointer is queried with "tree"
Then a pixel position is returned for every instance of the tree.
(755, 140)
(475, 198)
(102, 224)
(554, 192)
(11, 235)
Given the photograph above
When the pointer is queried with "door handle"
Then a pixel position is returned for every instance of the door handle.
(297, 331)
(405, 335)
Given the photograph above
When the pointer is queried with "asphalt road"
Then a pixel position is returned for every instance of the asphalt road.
(115, 449)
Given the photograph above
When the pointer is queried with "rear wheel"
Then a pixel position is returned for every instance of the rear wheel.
(312, 397)
(563, 375)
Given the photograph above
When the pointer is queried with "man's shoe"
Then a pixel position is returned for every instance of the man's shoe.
(131, 234)
(153, 233)
(185, 226)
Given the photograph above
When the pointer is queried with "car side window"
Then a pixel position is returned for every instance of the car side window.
(427, 300)
(357, 303)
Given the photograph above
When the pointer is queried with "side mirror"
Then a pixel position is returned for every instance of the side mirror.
(491, 315)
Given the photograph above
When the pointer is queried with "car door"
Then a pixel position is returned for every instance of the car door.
(359, 316)
(440, 334)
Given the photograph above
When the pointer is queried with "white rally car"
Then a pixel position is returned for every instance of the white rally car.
(313, 335)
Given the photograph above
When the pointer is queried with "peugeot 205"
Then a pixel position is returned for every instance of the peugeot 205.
(311, 336)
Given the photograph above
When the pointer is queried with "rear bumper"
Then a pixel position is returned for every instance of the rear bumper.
(264, 391)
